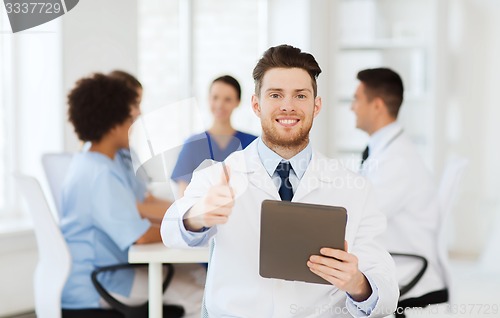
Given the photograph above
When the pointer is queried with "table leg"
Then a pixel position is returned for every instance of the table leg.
(155, 290)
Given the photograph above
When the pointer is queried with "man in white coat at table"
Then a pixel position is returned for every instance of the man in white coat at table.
(404, 188)
(223, 202)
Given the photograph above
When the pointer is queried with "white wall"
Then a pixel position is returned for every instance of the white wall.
(490, 255)
(98, 36)
(471, 119)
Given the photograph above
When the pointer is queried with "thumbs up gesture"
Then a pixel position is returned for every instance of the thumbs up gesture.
(214, 208)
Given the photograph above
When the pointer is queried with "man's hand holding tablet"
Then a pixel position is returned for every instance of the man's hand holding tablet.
(340, 268)
(293, 244)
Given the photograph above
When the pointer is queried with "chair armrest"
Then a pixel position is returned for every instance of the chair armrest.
(113, 302)
(406, 288)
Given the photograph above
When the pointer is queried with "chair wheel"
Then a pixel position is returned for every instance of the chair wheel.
(173, 311)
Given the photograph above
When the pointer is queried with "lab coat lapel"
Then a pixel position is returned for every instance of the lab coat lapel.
(313, 177)
(257, 174)
(261, 180)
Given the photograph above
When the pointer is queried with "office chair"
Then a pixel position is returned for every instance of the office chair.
(447, 194)
(54, 263)
(54, 260)
(423, 267)
(55, 166)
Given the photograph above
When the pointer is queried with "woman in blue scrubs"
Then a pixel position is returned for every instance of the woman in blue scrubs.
(149, 206)
(218, 142)
(100, 219)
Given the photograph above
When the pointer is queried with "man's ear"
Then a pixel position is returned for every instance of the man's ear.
(318, 103)
(379, 105)
(256, 105)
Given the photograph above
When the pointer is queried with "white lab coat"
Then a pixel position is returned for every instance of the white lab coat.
(234, 287)
(407, 195)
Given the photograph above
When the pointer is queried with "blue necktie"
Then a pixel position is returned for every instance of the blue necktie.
(366, 154)
(285, 190)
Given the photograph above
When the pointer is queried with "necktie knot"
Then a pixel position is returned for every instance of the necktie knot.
(366, 154)
(285, 191)
(283, 169)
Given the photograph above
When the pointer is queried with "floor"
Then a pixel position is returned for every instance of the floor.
(476, 294)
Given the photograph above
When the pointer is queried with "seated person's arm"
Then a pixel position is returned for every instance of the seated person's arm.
(152, 235)
(153, 208)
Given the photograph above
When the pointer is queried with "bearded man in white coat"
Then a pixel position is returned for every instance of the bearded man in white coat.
(404, 188)
(222, 204)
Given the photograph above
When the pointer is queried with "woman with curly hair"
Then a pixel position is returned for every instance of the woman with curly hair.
(100, 218)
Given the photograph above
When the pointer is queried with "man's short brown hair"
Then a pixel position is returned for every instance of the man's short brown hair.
(385, 84)
(285, 56)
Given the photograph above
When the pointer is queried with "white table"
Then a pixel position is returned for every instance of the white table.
(155, 255)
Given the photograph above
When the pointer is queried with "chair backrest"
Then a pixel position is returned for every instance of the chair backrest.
(56, 166)
(447, 194)
(54, 259)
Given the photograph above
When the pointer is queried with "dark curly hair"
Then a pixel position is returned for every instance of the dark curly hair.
(97, 104)
(130, 79)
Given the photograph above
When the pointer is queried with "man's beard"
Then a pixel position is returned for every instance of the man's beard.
(272, 137)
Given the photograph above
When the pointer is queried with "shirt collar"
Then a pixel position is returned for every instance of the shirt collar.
(270, 159)
(382, 136)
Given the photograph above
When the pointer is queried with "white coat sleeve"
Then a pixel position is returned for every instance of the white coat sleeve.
(173, 232)
(374, 261)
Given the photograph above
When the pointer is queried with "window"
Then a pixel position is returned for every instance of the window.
(31, 105)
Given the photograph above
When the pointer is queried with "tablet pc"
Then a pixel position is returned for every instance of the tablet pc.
(291, 232)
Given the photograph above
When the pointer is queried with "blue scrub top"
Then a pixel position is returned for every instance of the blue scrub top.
(202, 146)
(123, 159)
(99, 221)
(138, 182)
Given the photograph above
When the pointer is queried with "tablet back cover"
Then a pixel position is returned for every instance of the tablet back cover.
(291, 232)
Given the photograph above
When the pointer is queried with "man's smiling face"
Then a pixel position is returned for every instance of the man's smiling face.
(286, 107)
